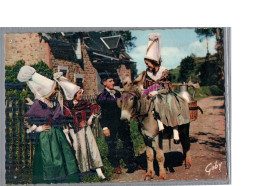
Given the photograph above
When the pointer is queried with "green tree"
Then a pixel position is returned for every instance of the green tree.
(187, 68)
(208, 73)
(205, 33)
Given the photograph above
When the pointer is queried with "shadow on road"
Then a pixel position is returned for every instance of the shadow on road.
(213, 141)
(203, 133)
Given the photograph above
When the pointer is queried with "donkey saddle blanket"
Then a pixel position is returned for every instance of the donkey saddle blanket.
(172, 109)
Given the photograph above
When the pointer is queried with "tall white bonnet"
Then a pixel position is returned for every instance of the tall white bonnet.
(69, 88)
(39, 85)
(153, 51)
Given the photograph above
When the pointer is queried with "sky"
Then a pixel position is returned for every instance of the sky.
(176, 44)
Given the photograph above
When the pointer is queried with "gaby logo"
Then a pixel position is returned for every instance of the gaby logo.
(210, 167)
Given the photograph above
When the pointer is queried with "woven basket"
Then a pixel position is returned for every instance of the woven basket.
(193, 107)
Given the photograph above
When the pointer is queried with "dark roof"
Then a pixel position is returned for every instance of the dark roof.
(61, 50)
(101, 48)
(94, 43)
(112, 42)
(110, 46)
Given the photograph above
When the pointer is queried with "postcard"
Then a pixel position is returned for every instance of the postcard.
(117, 106)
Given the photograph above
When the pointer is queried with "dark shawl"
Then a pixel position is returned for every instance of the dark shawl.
(79, 112)
(40, 110)
(164, 80)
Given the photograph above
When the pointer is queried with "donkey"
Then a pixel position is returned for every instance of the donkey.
(130, 104)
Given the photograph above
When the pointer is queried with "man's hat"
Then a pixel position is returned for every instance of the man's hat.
(153, 51)
(39, 85)
(69, 88)
(105, 76)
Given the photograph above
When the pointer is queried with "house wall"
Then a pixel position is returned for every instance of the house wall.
(27, 46)
(89, 82)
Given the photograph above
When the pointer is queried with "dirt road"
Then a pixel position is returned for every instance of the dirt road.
(208, 150)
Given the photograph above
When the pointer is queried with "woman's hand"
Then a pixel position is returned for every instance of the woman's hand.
(90, 120)
(152, 94)
(46, 128)
(83, 124)
(43, 128)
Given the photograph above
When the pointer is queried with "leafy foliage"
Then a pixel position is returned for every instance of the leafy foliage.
(205, 91)
(204, 33)
(174, 73)
(213, 72)
(187, 67)
(138, 140)
(208, 73)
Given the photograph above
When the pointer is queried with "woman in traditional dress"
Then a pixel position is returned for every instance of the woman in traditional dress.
(54, 160)
(155, 72)
(80, 114)
(156, 80)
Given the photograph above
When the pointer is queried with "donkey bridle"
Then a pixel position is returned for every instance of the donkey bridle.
(138, 107)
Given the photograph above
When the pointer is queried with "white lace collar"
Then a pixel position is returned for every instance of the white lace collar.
(158, 74)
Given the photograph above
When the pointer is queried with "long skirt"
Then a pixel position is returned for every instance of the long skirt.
(54, 160)
(170, 108)
(86, 149)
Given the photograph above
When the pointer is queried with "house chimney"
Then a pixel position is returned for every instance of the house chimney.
(78, 49)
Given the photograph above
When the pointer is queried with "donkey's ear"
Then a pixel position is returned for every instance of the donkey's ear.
(138, 82)
(140, 78)
(126, 82)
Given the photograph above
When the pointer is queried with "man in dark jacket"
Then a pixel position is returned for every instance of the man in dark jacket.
(113, 128)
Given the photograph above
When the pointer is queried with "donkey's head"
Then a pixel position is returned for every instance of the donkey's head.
(129, 101)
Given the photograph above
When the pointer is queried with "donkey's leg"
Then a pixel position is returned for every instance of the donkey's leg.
(160, 157)
(150, 169)
(185, 142)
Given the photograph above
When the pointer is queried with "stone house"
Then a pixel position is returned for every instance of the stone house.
(83, 57)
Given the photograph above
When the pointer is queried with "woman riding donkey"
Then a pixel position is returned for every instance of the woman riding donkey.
(156, 79)
(156, 108)
(80, 114)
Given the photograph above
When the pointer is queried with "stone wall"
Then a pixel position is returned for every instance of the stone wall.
(89, 72)
(28, 46)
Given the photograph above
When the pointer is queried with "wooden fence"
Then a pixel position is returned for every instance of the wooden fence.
(20, 145)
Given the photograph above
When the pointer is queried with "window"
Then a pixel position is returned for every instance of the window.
(78, 79)
(63, 69)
